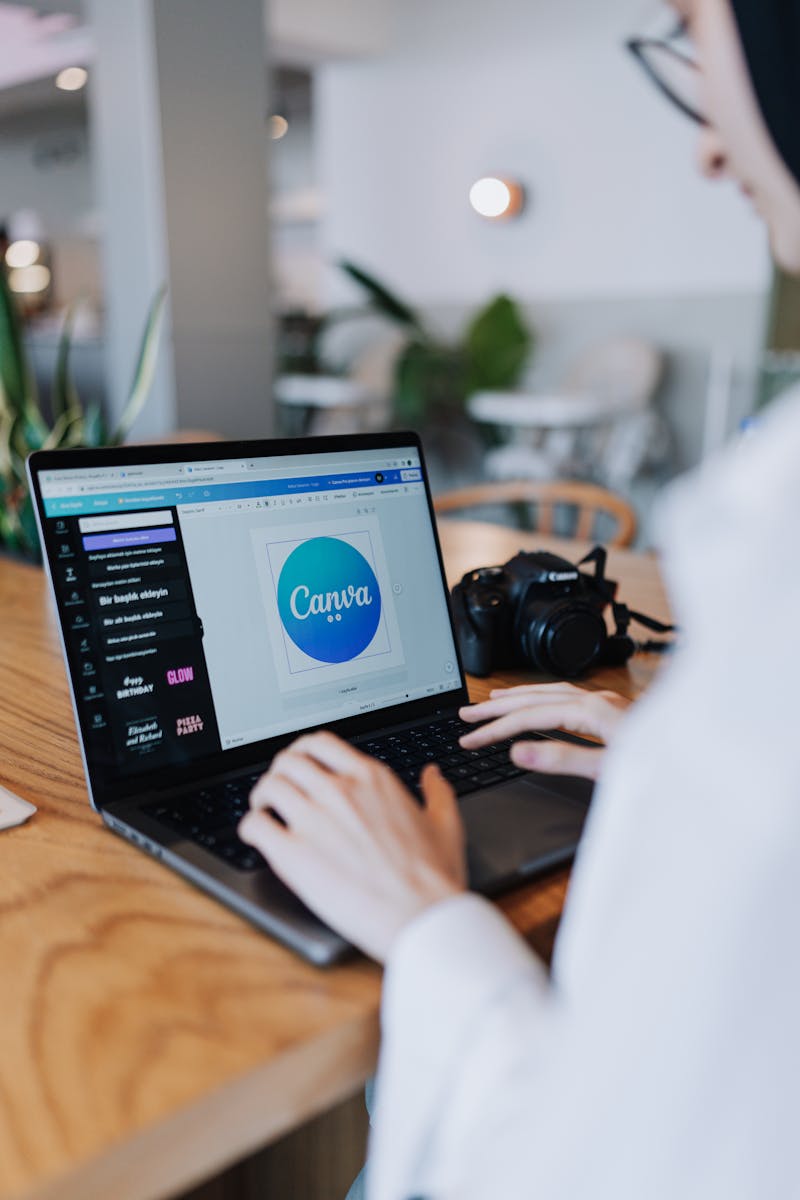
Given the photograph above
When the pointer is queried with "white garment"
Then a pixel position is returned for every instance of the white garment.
(662, 1060)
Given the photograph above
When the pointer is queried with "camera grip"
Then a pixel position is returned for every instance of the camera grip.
(475, 630)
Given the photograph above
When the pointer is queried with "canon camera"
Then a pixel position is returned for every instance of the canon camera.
(542, 612)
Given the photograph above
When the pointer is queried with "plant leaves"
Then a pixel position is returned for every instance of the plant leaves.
(497, 344)
(67, 431)
(94, 427)
(9, 535)
(410, 391)
(24, 429)
(29, 534)
(17, 389)
(18, 449)
(429, 382)
(381, 298)
(14, 375)
(32, 428)
(65, 397)
(7, 422)
(145, 367)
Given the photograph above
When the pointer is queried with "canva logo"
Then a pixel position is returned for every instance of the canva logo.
(328, 599)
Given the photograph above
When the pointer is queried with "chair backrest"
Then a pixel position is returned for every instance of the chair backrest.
(625, 369)
(587, 499)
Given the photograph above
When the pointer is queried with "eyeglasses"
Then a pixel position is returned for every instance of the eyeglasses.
(669, 64)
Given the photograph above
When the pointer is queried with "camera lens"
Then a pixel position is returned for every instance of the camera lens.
(567, 639)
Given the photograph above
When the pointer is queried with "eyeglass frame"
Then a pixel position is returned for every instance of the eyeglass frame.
(638, 46)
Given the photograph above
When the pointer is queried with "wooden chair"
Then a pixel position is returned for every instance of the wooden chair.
(587, 499)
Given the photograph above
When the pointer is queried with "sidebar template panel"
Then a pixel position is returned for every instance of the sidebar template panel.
(135, 639)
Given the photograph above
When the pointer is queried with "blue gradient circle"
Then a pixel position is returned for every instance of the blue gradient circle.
(329, 600)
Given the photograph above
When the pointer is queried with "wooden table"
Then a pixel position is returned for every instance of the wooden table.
(148, 1037)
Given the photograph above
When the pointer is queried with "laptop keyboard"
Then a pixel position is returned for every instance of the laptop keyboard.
(407, 753)
(209, 817)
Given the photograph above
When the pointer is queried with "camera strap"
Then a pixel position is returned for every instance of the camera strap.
(623, 617)
(621, 644)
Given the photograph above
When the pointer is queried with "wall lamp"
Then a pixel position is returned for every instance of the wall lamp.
(497, 198)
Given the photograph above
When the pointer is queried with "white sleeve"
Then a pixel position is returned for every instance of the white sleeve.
(459, 981)
(664, 1060)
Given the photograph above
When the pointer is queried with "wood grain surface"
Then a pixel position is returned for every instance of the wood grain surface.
(148, 1037)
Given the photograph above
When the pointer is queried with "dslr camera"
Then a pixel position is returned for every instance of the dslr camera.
(542, 612)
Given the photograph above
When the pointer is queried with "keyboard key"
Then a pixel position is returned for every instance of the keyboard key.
(209, 819)
(510, 771)
(467, 770)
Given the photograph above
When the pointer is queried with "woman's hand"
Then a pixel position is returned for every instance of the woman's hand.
(356, 847)
(534, 707)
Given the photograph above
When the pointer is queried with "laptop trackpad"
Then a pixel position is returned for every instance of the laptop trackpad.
(522, 827)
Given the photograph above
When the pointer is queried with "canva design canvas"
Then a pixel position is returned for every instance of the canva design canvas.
(328, 601)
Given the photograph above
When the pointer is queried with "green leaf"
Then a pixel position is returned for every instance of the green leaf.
(94, 427)
(6, 432)
(67, 431)
(65, 395)
(9, 530)
(410, 390)
(14, 374)
(29, 534)
(17, 522)
(145, 367)
(385, 301)
(429, 382)
(33, 428)
(497, 344)
(18, 448)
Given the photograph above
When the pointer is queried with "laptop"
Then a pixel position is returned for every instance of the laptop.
(216, 600)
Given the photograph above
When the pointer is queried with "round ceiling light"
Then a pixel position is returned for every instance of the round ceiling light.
(22, 254)
(72, 79)
(496, 198)
(278, 127)
(28, 281)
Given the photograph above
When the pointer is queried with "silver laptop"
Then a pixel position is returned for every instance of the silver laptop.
(217, 599)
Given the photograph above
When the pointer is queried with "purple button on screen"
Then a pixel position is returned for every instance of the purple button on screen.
(128, 537)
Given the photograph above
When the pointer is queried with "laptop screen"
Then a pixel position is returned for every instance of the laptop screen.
(207, 605)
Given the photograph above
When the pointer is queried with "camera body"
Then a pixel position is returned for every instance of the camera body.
(539, 611)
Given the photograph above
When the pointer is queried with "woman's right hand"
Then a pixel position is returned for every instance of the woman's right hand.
(544, 706)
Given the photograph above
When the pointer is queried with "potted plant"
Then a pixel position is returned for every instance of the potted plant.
(433, 377)
(24, 427)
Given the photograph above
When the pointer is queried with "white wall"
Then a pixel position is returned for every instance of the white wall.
(33, 45)
(541, 90)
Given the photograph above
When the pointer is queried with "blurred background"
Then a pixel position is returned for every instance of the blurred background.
(476, 219)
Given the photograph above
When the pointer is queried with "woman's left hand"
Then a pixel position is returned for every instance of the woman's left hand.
(356, 846)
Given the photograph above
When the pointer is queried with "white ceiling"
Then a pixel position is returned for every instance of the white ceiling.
(72, 7)
(35, 45)
(39, 37)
